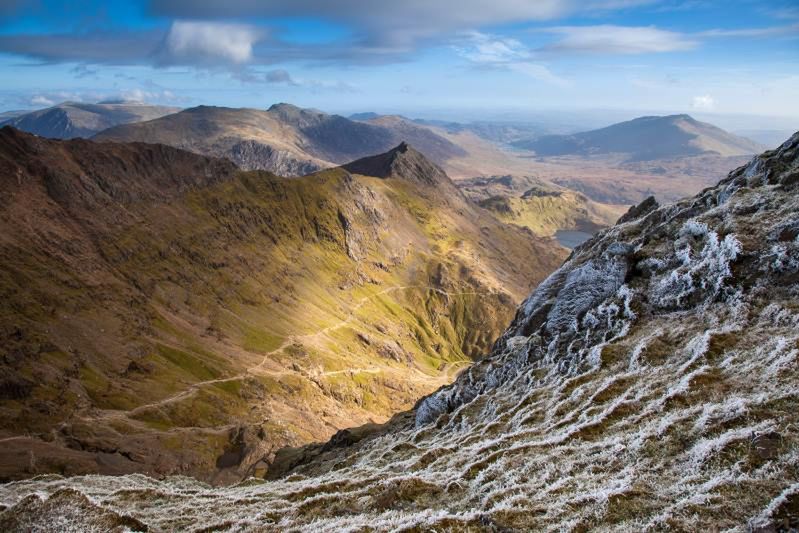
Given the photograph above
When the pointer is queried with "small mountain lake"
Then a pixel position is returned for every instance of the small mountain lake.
(571, 239)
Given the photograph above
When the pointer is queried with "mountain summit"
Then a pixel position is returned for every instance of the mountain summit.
(402, 162)
(646, 138)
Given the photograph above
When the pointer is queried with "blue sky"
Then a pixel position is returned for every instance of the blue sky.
(419, 57)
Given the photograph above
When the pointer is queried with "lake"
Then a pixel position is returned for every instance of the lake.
(571, 239)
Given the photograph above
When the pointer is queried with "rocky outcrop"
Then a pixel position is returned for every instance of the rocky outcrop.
(252, 155)
(637, 211)
(658, 259)
(401, 162)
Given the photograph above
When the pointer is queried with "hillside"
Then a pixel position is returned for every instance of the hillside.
(646, 138)
(649, 384)
(74, 119)
(7, 115)
(166, 313)
(436, 146)
(284, 139)
(546, 209)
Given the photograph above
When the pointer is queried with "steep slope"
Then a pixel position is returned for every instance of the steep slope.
(650, 384)
(284, 139)
(406, 163)
(435, 146)
(75, 119)
(163, 312)
(646, 138)
(546, 209)
(251, 138)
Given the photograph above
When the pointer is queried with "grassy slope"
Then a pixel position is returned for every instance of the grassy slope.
(152, 331)
(542, 207)
(545, 215)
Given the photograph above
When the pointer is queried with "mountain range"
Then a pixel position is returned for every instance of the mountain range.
(646, 138)
(668, 157)
(284, 139)
(69, 120)
(167, 313)
(649, 383)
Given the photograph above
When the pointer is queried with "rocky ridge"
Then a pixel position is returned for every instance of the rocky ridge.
(284, 139)
(167, 313)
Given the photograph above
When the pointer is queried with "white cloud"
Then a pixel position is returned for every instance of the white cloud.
(500, 52)
(769, 31)
(484, 48)
(283, 77)
(540, 72)
(703, 103)
(618, 40)
(138, 95)
(209, 43)
(39, 100)
(134, 95)
(391, 26)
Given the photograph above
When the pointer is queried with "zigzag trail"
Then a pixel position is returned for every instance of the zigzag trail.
(192, 389)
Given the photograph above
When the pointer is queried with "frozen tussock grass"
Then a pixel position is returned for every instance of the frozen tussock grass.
(765, 518)
(585, 287)
(782, 258)
(701, 274)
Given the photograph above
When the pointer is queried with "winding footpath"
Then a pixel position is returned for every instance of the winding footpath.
(259, 369)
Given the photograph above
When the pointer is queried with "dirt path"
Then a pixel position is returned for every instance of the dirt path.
(292, 339)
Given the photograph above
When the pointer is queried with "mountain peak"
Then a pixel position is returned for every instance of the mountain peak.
(282, 105)
(646, 138)
(682, 116)
(401, 162)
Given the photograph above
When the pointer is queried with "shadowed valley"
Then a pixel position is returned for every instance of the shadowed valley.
(167, 313)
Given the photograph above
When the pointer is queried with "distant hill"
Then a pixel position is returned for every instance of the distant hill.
(8, 115)
(646, 138)
(433, 145)
(74, 119)
(284, 139)
(366, 115)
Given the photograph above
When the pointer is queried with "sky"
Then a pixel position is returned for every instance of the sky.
(425, 58)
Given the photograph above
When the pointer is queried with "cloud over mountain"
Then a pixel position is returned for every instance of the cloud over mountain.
(209, 43)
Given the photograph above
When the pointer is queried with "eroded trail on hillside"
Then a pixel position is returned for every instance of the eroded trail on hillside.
(444, 377)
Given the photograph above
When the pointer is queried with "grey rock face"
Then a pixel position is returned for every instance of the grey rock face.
(252, 155)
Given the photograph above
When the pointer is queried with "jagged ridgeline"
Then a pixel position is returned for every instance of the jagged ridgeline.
(649, 384)
(166, 313)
